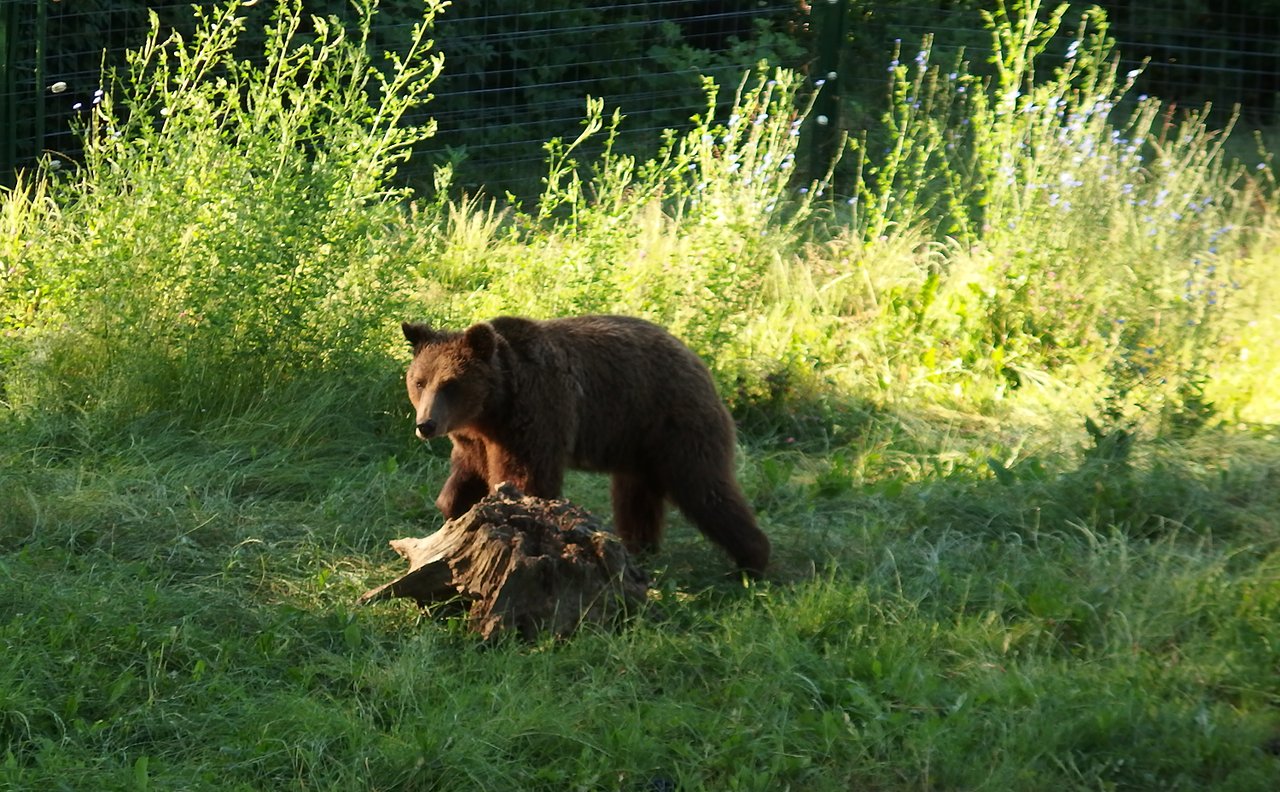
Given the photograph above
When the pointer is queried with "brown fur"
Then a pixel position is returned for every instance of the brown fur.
(522, 400)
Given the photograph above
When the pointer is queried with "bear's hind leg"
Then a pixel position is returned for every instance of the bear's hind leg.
(638, 506)
(716, 505)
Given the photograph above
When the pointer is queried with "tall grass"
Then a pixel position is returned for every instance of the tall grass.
(204, 446)
(1083, 233)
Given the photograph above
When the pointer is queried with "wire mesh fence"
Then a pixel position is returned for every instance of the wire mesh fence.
(1192, 53)
(517, 73)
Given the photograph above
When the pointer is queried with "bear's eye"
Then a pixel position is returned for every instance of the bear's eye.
(446, 386)
(419, 384)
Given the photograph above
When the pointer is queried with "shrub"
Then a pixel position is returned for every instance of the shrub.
(233, 229)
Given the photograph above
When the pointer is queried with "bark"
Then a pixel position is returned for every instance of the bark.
(521, 563)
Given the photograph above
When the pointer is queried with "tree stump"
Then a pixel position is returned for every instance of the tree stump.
(524, 564)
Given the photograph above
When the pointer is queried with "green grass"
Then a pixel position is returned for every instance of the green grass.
(184, 611)
(1017, 456)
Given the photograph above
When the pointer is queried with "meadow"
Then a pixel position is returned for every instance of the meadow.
(1004, 381)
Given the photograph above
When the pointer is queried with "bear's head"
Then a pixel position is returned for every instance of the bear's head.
(451, 377)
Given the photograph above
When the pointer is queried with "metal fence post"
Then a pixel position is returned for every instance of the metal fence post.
(42, 28)
(828, 19)
(8, 89)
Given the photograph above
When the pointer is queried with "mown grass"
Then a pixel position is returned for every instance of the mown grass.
(1022, 485)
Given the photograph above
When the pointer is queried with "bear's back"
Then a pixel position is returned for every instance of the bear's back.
(627, 382)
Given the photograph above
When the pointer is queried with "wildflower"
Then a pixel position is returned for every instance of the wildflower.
(1072, 49)
(1133, 73)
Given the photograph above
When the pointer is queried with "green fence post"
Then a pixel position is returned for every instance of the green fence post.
(42, 25)
(828, 20)
(8, 87)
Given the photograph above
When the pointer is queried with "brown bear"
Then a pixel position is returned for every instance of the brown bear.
(523, 399)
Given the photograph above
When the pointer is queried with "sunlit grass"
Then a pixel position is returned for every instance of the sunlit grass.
(204, 446)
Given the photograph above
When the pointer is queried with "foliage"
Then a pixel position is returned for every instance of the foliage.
(1007, 556)
(225, 232)
(1202, 52)
(1082, 229)
(517, 76)
(517, 79)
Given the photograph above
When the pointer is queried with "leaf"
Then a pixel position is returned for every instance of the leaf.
(1003, 474)
(141, 777)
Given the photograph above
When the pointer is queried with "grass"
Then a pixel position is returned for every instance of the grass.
(1021, 484)
(184, 614)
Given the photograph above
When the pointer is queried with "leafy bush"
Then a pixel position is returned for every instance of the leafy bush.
(232, 230)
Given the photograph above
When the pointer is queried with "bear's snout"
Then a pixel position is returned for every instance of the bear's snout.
(427, 429)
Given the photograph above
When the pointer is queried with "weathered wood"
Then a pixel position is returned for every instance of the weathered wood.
(524, 564)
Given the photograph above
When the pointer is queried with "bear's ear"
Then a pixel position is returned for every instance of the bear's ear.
(418, 335)
(482, 340)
